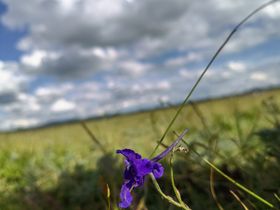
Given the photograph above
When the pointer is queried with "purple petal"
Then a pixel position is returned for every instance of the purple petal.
(139, 181)
(137, 170)
(157, 170)
(126, 198)
(131, 170)
(129, 173)
(129, 154)
(165, 152)
(144, 167)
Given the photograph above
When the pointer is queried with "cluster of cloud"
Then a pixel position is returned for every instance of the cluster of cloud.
(82, 58)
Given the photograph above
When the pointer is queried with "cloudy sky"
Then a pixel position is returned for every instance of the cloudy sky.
(63, 59)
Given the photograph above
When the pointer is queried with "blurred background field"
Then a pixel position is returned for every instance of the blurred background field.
(61, 167)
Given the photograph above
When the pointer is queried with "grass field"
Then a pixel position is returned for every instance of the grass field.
(61, 167)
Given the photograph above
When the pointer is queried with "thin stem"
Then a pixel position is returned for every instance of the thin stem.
(212, 190)
(277, 197)
(232, 180)
(206, 68)
(239, 185)
(108, 194)
(212, 177)
(93, 137)
(239, 200)
(166, 197)
(176, 191)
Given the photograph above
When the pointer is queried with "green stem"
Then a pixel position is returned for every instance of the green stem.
(232, 180)
(277, 197)
(238, 184)
(166, 197)
(108, 192)
(176, 191)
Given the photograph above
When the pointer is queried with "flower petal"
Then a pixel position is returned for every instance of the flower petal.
(157, 170)
(137, 170)
(144, 167)
(139, 181)
(129, 154)
(131, 170)
(126, 198)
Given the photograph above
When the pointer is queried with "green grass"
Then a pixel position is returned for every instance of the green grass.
(60, 167)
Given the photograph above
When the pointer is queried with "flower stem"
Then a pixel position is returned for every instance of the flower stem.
(176, 191)
(108, 192)
(166, 197)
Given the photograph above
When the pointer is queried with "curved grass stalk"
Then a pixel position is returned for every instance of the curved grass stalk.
(212, 178)
(237, 184)
(239, 200)
(206, 69)
(212, 190)
(166, 197)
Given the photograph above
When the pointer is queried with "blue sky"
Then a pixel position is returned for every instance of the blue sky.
(65, 59)
(9, 38)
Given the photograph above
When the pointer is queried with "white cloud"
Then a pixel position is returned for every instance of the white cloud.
(43, 91)
(10, 77)
(186, 73)
(52, 90)
(24, 105)
(183, 60)
(21, 123)
(259, 76)
(164, 85)
(67, 5)
(24, 123)
(273, 11)
(29, 102)
(33, 59)
(105, 53)
(226, 74)
(134, 68)
(236, 66)
(62, 105)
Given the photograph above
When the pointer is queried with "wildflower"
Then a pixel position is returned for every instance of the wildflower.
(136, 168)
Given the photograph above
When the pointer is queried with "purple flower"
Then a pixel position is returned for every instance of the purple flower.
(136, 168)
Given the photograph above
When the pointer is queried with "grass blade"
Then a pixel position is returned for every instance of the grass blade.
(239, 200)
(206, 68)
(237, 184)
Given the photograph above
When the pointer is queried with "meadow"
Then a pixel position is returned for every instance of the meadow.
(63, 167)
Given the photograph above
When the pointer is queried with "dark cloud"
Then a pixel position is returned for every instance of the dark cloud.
(7, 97)
(52, 26)
(71, 65)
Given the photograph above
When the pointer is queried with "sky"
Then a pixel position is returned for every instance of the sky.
(74, 59)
